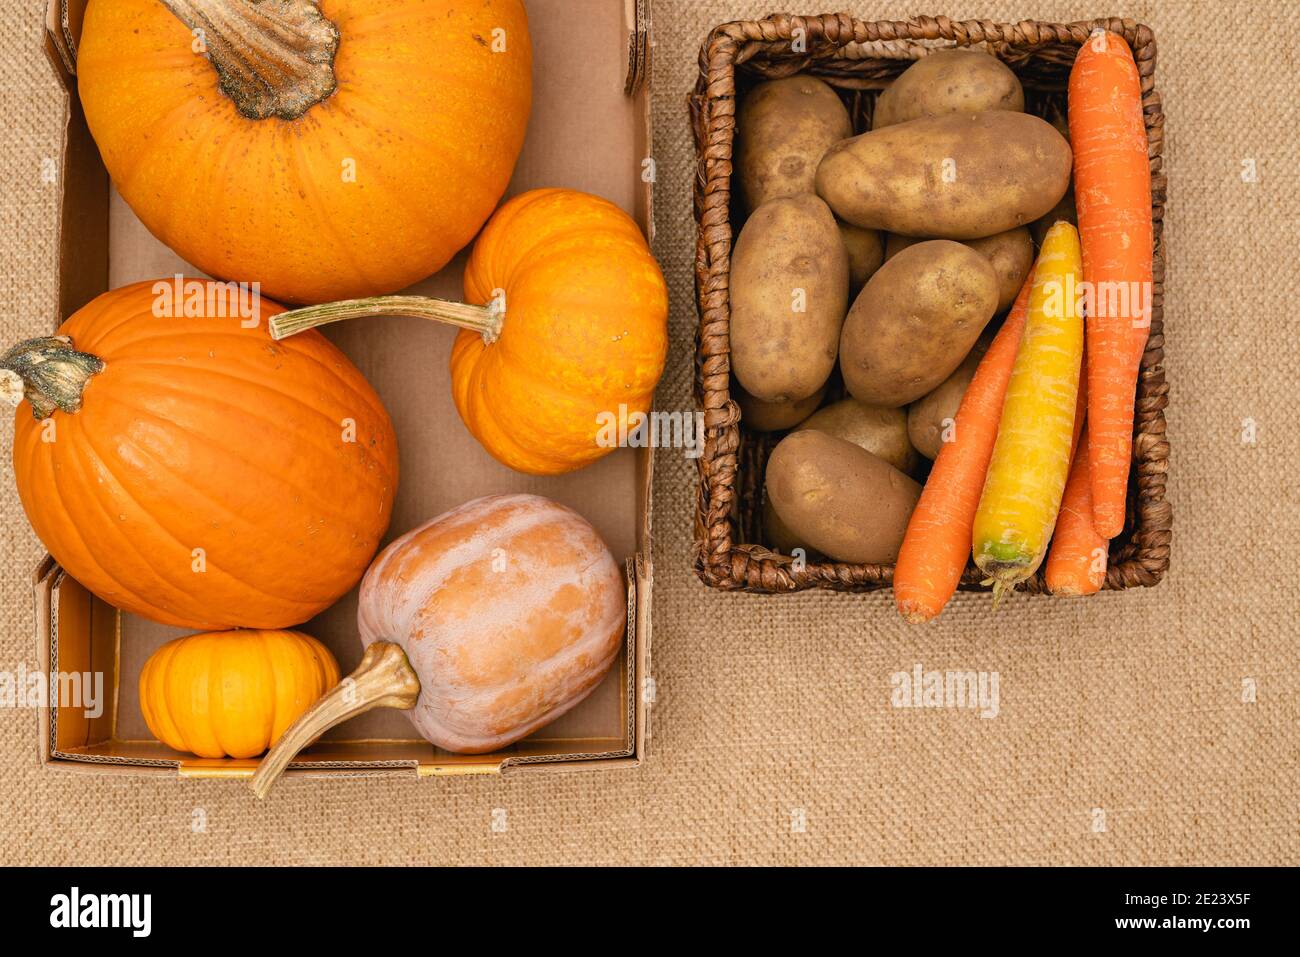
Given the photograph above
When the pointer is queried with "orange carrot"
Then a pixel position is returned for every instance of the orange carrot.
(937, 543)
(1076, 564)
(1112, 189)
(1080, 406)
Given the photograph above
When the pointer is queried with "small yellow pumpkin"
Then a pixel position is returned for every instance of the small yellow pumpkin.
(564, 330)
(232, 693)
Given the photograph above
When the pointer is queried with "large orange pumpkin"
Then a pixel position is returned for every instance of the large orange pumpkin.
(192, 470)
(327, 151)
(568, 349)
(487, 623)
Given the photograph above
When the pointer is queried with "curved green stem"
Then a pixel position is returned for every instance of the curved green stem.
(486, 320)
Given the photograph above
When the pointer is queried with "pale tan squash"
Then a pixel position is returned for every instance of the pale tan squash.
(488, 622)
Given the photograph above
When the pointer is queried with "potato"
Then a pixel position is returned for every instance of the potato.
(1011, 255)
(895, 244)
(930, 417)
(866, 249)
(1064, 210)
(777, 535)
(915, 321)
(843, 501)
(789, 294)
(880, 431)
(760, 416)
(782, 129)
(957, 176)
(949, 81)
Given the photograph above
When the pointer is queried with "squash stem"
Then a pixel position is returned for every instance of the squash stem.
(384, 679)
(486, 320)
(271, 59)
(49, 373)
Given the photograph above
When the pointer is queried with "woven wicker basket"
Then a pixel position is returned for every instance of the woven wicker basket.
(858, 58)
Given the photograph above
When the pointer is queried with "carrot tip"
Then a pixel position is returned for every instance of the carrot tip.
(1107, 529)
(1002, 586)
(914, 614)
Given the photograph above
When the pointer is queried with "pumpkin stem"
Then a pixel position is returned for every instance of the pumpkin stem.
(384, 679)
(486, 320)
(48, 373)
(272, 57)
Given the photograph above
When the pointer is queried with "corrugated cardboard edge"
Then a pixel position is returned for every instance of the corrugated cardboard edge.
(48, 577)
(58, 38)
(42, 592)
(640, 47)
(83, 220)
(83, 233)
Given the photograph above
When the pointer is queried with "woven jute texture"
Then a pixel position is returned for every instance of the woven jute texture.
(1141, 727)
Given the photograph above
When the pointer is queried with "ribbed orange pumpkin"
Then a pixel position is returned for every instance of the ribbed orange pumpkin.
(209, 477)
(331, 150)
(584, 331)
(565, 336)
(232, 693)
(488, 622)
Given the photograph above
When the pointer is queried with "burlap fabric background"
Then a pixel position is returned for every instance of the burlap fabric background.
(772, 708)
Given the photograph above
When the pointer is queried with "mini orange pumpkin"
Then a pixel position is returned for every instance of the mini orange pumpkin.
(487, 623)
(565, 336)
(346, 148)
(232, 693)
(192, 470)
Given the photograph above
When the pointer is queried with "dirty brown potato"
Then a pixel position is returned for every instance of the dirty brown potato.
(957, 176)
(778, 535)
(895, 244)
(931, 416)
(879, 430)
(949, 81)
(866, 249)
(782, 129)
(915, 321)
(789, 294)
(1062, 211)
(760, 416)
(840, 499)
(1011, 254)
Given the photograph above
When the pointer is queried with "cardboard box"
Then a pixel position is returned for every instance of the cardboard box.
(590, 129)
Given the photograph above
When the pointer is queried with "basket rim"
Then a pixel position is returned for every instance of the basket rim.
(832, 44)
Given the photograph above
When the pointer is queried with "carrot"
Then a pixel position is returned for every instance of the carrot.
(937, 542)
(1076, 564)
(1031, 457)
(1112, 189)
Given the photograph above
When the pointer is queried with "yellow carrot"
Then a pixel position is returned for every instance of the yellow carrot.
(1031, 458)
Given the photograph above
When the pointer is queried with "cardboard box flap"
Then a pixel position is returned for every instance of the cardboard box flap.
(63, 23)
(88, 731)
